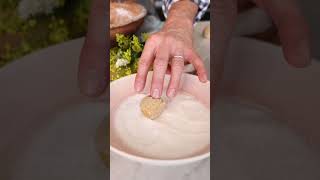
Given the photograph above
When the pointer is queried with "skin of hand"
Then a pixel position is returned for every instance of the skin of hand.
(292, 27)
(174, 39)
(293, 31)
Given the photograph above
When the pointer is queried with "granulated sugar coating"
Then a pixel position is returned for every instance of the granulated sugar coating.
(125, 13)
(182, 130)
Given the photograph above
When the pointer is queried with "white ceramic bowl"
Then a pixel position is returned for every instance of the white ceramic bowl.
(122, 88)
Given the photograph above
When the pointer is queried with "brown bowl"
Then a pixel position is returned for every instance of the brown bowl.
(125, 18)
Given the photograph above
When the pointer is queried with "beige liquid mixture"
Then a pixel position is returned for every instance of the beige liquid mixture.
(182, 130)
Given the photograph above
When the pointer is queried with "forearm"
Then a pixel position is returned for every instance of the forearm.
(182, 13)
(180, 20)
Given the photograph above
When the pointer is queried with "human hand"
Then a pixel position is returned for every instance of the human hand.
(172, 43)
(292, 28)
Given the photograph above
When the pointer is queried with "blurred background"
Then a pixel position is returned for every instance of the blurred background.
(158, 4)
(29, 25)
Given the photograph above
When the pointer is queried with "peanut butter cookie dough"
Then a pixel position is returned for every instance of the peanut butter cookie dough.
(151, 107)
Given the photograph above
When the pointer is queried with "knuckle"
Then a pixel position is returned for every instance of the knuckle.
(160, 62)
(174, 84)
(139, 78)
(177, 64)
(176, 68)
(154, 37)
(198, 63)
(188, 53)
(157, 81)
(143, 63)
(201, 71)
(178, 46)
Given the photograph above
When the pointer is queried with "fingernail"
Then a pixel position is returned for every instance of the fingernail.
(171, 93)
(138, 87)
(156, 93)
(301, 57)
(204, 78)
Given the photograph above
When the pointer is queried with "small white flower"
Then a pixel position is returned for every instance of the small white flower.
(27, 8)
(121, 62)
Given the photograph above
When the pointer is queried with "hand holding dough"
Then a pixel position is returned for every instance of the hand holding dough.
(152, 107)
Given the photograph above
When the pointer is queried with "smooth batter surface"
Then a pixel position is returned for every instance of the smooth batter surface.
(182, 130)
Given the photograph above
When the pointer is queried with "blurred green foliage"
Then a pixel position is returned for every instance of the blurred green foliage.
(128, 49)
(19, 37)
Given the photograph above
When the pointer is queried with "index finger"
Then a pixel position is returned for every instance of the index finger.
(145, 62)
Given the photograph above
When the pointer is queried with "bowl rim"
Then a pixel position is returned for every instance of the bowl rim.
(158, 162)
(137, 18)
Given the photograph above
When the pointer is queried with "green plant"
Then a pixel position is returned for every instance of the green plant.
(58, 31)
(125, 56)
(17, 35)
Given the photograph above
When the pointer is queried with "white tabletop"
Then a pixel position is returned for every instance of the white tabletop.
(252, 147)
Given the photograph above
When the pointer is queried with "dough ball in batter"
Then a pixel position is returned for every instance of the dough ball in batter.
(152, 107)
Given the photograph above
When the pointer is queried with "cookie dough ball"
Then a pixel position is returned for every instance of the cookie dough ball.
(206, 32)
(151, 107)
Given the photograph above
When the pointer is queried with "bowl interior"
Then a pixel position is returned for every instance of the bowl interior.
(125, 18)
(122, 14)
(122, 88)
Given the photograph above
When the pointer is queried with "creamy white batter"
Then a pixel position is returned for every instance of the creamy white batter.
(182, 130)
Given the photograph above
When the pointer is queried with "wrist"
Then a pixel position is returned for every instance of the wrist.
(178, 23)
(183, 11)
